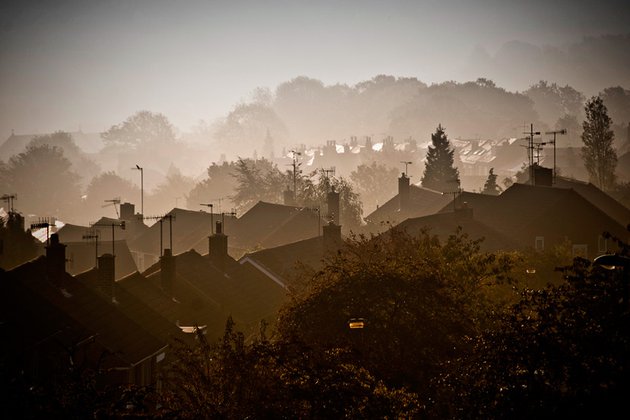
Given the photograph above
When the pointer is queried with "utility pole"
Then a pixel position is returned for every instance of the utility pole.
(8, 198)
(530, 151)
(93, 235)
(406, 163)
(561, 131)
(211, 217)
(121, 225)
(138, 168)
(295, 165)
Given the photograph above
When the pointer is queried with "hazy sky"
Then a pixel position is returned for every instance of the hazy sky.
(90, 64)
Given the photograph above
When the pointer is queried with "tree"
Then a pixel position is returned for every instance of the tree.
(44, 182)
(560, 352)
(174, 191)
(439, 173)
(142, 128)
(491, 187)
(257, 180)
(220, 184)
(420, 299)
(375, 183)
(598, 153)
(106, 186)
(85, 167)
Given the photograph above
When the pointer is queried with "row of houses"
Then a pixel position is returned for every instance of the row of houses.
(118, 308)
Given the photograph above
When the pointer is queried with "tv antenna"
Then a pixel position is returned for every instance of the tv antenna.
(160, 219)
(530, 151)
(560, 131)
(113, 202)
(113, 225)
(406, 163)
(44, 223)
(93, 234)
(211, 216)
(9, 198)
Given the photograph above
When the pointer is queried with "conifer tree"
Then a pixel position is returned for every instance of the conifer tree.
(491, 187)
(439, 172)
(598, 153)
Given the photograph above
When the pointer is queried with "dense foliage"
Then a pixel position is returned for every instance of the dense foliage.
(439, 172)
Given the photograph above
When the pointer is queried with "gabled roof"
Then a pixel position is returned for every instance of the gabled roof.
(245, 294)
(285, 262)
(524, 211)
(422, 202)
(268, 225)
(190, 229)
(186, 307)
(125, 340)
(445, 224)
(597, 197)
(82, 256)
(134, 308)
(475, 201)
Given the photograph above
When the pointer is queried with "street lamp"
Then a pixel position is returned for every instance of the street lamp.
(614, 262)
(138, 168)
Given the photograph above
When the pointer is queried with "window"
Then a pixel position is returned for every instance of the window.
(580, 250)
(602, 244)
(540, 243)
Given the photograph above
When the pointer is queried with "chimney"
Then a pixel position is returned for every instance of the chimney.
(127, 211)
(167, 271)
(543, 177)
(333, 206)
(403, 192)
(332, 237)
(55, 259)
(288, 197)
(218, 247)
(106, 275)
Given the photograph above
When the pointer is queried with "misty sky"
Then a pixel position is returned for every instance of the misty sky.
(90, 64)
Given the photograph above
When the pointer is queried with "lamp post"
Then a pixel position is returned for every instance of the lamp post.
(138, 168)
(614, 262)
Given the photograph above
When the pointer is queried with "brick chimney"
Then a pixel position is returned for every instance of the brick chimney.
(218, 246)
(106, 275)
(403, 192)
(332, 237)
(55, 260)
(167, 271)
(333, 206)
(127, 211)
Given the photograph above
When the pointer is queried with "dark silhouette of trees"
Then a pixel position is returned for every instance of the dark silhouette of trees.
(551, 101)
(142, 128)
(264, 379)
(598, 153)
(85, 167)
(375, 183)
(491, 187)
(220, 183)
(44, 182)
(107, 186)
(439, 172)
(560, 352)
(173, 191)
(420, 300)
(257, 180)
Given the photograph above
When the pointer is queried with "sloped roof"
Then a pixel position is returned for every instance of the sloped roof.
(190, 229)
(122, 336)
(130, 304)
(187, 307)
(445, 224)
(603, 201)
(82, 256)
(523, 211)
(247, 295)
(422, 202)
(286, 261)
